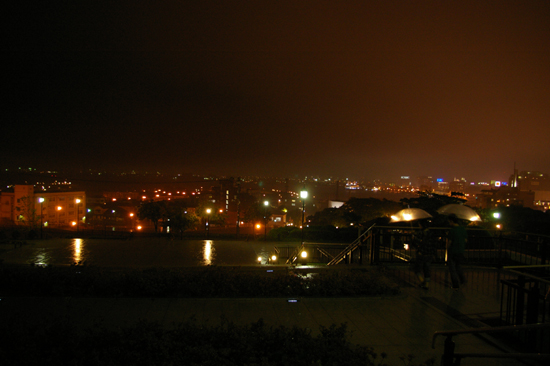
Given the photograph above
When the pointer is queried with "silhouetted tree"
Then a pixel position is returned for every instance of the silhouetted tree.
(152, 211)
(27, 211)
(258, 212)
(178, 218)
(370, 209)
(215, 217)
(520, 219)
(430, 202)
(294, 215)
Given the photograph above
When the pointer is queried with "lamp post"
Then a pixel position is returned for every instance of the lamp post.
(303, 196)
(58, 208)
(132, 219)
(208, 211)
(257, 226)
(77, 212)
(266, 203)
(41, 200)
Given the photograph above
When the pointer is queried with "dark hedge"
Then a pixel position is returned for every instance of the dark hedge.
(86, 281)
(186, 343)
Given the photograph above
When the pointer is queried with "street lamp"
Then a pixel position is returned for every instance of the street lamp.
(303, 196)
(208, 211)
(77, 212)
(266, 203)
(59, 208)
(132, 218)
(41, 200)
(258, 226)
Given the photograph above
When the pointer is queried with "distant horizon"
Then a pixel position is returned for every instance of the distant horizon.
(324, 178)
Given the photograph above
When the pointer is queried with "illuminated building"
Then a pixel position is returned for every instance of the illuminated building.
(24, 206)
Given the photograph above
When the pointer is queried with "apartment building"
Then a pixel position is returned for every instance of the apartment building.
(25, 206)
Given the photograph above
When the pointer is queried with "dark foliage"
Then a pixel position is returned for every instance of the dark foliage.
(189, 282)
(319, 234)
(186, 343)
(430, 202)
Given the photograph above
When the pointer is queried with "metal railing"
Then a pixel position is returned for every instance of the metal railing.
(353, 246)
(392, 244)
(450, 358)
(525, 300)
(496, 248)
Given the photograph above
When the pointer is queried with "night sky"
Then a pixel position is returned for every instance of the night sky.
(358, 89)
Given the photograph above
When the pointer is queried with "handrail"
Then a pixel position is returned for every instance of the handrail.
(529, 275)
(338, 258)
(324, 252)
(449, 355)
(519, 356)
(526, 266)
(295, 254)
(507, 328)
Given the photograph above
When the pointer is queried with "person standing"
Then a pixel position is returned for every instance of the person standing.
(426, 249)
(455, 251)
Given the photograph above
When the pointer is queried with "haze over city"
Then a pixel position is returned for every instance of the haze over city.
(357, 89)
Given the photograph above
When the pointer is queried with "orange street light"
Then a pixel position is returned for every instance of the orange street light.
(77, 212)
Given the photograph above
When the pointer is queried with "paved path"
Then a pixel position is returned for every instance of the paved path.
(398, 325)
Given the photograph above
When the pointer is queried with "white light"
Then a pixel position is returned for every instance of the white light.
(407, 217)
(303, 254)
(208, 252)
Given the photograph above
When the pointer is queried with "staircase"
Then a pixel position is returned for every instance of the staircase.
(350, 248)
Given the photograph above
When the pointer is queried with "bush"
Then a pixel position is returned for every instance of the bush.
(190, 282)
(189, 343)
(326, 233)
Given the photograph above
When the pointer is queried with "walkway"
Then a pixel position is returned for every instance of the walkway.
(399, 325)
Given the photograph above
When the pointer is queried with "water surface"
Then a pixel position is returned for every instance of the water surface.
(147, 252)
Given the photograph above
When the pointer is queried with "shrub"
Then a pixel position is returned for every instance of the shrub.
(190, 282)
(147, 343)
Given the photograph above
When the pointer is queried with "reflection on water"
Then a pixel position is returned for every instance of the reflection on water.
(41, 258)
(77, 253)
(208, 252)
(138, 252)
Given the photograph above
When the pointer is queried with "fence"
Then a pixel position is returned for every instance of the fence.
(495, 248)
(525, 300)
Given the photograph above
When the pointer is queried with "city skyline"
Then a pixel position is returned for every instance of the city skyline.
(371, 90)
(13, 174)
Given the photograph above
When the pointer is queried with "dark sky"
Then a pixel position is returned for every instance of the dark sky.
(355, 89)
